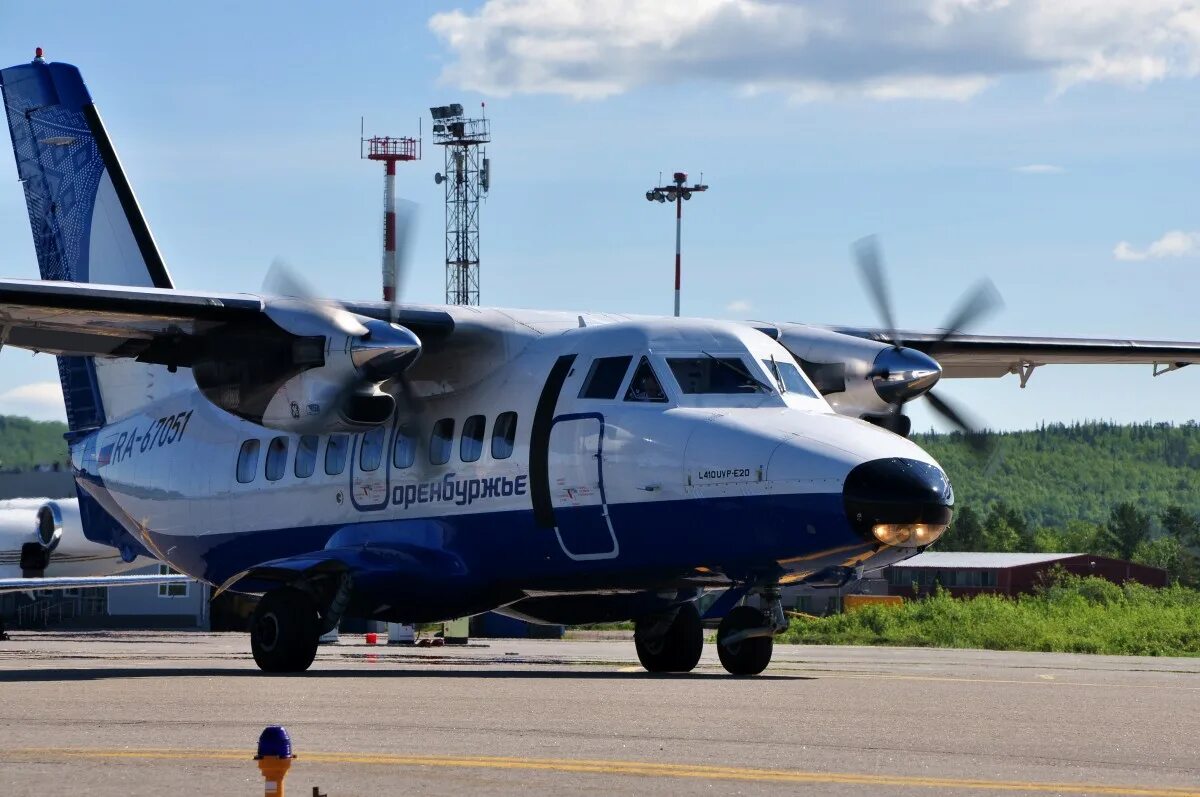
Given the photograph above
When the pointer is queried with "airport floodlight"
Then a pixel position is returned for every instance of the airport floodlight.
(438, 178)
(455, 109)
(436, 112)
(677, 192)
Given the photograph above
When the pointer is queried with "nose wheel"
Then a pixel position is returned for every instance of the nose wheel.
(745, 641)
(746, 636)
(670, 644)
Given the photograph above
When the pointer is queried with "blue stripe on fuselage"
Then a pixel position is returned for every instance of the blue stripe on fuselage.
(661, 542)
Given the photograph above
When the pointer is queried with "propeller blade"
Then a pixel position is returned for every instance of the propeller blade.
(870, 269)
(283, 280)
(406, 218)
(981, 301)
(975, 438)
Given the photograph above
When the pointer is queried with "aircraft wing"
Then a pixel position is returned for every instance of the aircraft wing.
(966, 356)
(148, 324)
(72, 582)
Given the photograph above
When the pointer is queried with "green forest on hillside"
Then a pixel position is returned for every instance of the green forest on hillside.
(1130, 492)
(25, 443)
(1060, 473)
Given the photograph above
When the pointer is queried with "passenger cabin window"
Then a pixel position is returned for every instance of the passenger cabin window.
(370, 452)
(604, 377)
(708, 375)
(306, 456)
(247, 464)
(470, 448)
(504, 434)
(788, 377)
(441, 441)
(335, 453)
(277, 458)
(404, 450)
(645, 385)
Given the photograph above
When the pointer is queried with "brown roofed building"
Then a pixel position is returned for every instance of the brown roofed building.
(966, 574)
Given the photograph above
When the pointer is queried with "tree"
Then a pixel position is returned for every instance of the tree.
(966, 532)
(1180, 524)
(1082, 537)
(1127, 528)
(999, 533)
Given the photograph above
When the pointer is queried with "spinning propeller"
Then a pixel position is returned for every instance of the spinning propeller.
(379, 351)
(975, 304)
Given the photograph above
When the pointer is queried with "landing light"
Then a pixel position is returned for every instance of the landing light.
(908, 535)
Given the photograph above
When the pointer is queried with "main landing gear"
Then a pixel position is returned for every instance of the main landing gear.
(746, 636)
(670, 643)
(290, 620)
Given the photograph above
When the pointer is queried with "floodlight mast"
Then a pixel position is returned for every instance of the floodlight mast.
(677, 192)
(466, 178)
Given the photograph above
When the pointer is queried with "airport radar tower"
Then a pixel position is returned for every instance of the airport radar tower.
(466, 178)
(390, 151)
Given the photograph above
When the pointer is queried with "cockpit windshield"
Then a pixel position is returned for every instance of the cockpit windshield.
(789, 378)
(709, 374)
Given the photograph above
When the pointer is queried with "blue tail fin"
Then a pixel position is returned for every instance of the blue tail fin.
(87, 226)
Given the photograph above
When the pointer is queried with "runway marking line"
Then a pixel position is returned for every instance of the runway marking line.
(956, 679)
(627, 768)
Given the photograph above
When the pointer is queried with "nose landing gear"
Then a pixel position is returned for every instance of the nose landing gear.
(670, 644)
(746, 636)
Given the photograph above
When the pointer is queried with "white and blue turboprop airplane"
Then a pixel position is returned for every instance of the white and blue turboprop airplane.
(414, 464)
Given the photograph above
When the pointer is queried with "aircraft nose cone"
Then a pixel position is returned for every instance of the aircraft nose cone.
(903, 374)
(898, 501)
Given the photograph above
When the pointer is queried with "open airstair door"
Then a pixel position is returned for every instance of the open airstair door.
(576, 471)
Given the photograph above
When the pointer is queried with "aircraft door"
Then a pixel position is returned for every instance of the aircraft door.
(369, 470)
(576, 475)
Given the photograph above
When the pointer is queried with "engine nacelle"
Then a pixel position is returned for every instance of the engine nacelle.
(49, 535)
(314, 383)
(857, 376)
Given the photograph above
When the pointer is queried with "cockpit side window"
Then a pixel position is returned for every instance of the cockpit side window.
(604, 378)
(645, 385)
(710, 374)
(789, 378)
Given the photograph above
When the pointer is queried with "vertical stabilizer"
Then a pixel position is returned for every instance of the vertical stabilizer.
(87, 226)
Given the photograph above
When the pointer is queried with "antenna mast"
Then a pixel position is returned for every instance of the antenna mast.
(466, 178)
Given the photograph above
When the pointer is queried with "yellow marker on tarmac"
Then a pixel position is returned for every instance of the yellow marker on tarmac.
(274, 759)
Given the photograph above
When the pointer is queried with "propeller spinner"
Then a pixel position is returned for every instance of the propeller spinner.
(902, 374)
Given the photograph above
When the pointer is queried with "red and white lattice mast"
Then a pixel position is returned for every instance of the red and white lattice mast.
(390, 151)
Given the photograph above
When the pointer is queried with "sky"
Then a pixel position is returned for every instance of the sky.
(1049, 145)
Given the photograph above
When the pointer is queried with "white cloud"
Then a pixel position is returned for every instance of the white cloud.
(42, 401)
(738, 306)
(944, 49)
(1039, 168)
(1176, 243)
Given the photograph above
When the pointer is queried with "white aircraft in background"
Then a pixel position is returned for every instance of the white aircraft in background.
(414, 464)
(43, 538)
(42, 546)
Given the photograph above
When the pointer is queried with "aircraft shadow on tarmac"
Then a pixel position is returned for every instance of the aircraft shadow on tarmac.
(108, 673)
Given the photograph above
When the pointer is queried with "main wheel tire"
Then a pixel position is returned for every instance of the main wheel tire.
(677, 650)
(750, 656)
(284, 631)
